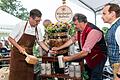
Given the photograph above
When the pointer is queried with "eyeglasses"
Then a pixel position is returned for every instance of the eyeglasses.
(37, 21)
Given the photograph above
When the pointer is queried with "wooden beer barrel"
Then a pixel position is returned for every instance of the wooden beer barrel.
(58, 39)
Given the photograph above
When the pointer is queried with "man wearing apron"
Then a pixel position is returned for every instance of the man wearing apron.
(23, 39)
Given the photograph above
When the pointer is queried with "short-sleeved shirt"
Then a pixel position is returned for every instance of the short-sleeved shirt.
(18, 31)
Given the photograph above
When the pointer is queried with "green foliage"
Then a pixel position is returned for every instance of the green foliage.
(72, 29)
(85, 75)
(36, 50)
(57, 27)
(15, 8)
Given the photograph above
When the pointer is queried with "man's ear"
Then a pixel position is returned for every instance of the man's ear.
(113, 13)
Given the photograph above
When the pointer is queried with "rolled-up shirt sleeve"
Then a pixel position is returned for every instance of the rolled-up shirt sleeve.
(93, 37)
(16, 31)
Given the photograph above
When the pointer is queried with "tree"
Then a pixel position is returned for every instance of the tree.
(15, 8)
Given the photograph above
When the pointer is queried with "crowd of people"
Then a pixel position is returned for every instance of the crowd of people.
(94, 47)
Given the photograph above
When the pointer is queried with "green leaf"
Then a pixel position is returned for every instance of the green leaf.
(15, 8)
(85, 75)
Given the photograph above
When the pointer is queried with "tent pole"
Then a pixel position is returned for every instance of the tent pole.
(89, 8)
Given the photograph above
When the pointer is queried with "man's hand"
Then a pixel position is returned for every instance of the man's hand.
(55, 48)
(22, 50)
(52, 52)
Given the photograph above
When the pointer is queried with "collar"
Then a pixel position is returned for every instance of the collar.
(28, 25)
(114, 21)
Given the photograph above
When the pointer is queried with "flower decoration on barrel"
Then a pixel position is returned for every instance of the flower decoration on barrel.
(57, 27)
(56, 34)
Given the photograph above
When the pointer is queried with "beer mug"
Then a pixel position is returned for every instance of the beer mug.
(43, 68)
(77, 71)
(48, 68)
(71, 70)
(60, 61)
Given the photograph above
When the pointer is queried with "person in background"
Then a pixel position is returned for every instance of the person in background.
(47, 23)
(23, 38)
(111, 15)
(2, 49)
(7, 45)
(92, 44)
(3, 52)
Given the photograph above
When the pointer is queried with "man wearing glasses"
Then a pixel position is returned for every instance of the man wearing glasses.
(23, 39)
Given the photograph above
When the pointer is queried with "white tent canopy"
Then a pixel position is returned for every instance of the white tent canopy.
(90, 8)
(94, 5)
(7, 21)
(49, 7)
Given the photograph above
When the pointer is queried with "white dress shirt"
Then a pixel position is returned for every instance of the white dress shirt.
(18, 31)
(117, 37)
(117, 34)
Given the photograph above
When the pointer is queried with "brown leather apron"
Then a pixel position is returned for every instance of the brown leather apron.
(19, 68)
